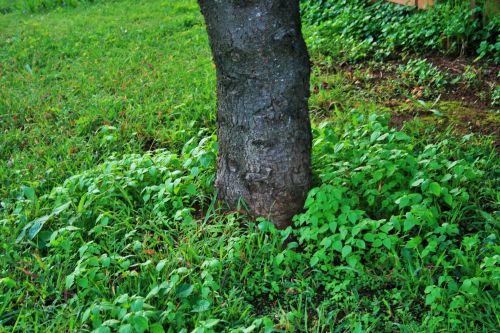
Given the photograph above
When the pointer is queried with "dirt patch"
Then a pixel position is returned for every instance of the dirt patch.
(398, 119)
(478, 80)
(463, 119)
(149, 143)
(464, 103)
(471, 120)
(469, 82)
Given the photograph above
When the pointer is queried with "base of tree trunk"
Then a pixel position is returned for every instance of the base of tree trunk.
(263, 124)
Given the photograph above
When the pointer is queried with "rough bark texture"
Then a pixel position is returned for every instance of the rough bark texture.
(263, 122)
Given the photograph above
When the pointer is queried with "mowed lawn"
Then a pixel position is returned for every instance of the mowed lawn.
(78, 84)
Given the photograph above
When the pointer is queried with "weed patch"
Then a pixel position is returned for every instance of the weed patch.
(355, 30)
(108, 215)
(396, 231)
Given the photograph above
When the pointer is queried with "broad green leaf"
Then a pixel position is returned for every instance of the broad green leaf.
(266, 226)
(279, 258)
(414, 242)
(61, 208)
(369, 237)
(448, 199)
(337, 245)
(137, 305)
(7, 281)
(387, 243)
(105, 261)
(360, 244)
(184, 290)
(314, 260)
(374, 136)
(37, 226)
(83, 282)
(161, 264)
(153, 292)
(435, 189)
(210, 323)
(201, 306)
(417, 182)
(29, 192)
(70, 279)
(111, 322)
(156, 328)
(140, 323)
(352, 261)
(102, 329)
(408, 224)
(127, 328)
(383, 137)
(346, 250)
(22, 234)
(403, 202)
(121, 299)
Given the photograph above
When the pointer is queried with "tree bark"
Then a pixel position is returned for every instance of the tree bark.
(263, 124)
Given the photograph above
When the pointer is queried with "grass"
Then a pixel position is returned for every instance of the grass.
(99, 79)
(108, 219)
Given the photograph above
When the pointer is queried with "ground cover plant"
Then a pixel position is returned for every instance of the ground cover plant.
(407, 60)
(383, 29)
(108, 221)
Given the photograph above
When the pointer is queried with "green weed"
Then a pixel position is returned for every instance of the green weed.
(383, 30)
(420, 75)
(108, 214)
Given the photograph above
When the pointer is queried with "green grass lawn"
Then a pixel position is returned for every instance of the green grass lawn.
(108, 219)
(79, 84)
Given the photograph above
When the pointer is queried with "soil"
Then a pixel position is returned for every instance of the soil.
(462, 118)
(465, 106)
(469, 94)
(475, 94)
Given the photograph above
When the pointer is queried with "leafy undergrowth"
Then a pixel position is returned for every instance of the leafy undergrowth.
(399, 234)
(358, 29)
(417, 94)
(396, 54)
(101, 231)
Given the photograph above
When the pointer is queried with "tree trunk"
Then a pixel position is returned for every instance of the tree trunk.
(263, 124)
